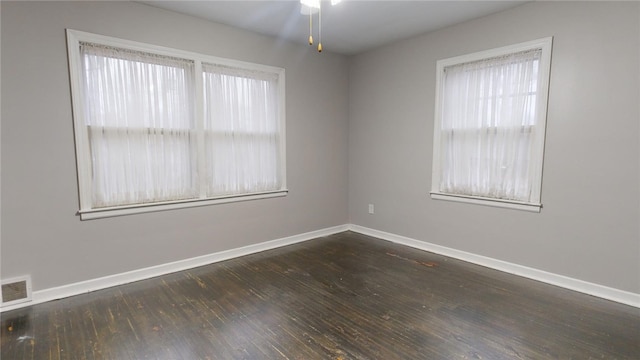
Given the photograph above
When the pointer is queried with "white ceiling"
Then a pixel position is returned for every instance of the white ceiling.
(350, 27)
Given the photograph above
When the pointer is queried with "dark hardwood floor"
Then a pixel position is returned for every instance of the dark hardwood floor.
(346, 296)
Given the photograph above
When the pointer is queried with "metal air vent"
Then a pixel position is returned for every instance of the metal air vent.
(16, 290)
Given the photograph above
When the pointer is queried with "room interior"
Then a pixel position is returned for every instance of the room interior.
(359, 125)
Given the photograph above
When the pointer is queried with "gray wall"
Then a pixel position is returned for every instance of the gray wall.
(42, 236)
(376, 107)
(588, 228)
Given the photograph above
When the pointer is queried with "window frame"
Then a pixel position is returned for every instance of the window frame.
(83, 161)
(535, 205)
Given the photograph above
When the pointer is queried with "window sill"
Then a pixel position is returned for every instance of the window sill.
(145, 208)
(531, 207)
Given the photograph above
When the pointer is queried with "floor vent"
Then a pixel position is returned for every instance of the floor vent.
(16, 290)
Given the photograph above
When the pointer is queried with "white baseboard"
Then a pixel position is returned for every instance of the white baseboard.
(601, 291)
(83, 287)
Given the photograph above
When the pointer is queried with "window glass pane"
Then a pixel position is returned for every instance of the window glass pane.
(487, 124)
(139, 114)
(160, 128)
(242, 131)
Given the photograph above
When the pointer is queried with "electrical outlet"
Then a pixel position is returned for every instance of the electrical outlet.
(371, 210)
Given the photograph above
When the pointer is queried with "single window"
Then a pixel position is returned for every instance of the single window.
(490, 124)
(160, 128)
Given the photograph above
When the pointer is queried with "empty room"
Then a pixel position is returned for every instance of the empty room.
(320, 179)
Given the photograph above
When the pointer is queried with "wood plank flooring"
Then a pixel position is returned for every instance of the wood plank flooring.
(345, 296)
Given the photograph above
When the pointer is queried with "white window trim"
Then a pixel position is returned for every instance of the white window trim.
(509, 204)
(545, 66)
(83, 162)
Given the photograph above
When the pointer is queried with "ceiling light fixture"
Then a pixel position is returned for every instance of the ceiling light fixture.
(310, 7)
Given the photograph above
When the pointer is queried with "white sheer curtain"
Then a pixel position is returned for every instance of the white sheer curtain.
(242, 133)
(488, 127)
(139, 113)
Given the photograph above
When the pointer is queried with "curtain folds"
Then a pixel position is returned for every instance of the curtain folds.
(241, 131)
(148, 145)
(488, 127)
(139, 111)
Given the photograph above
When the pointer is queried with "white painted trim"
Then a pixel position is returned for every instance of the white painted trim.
(83, 287)
(585, 287)
(488, 202)
(41, 296)
(172, 205)
(539, 128)
(83, 161)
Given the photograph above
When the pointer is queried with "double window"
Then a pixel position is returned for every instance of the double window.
(490, 124)
(159, 128)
